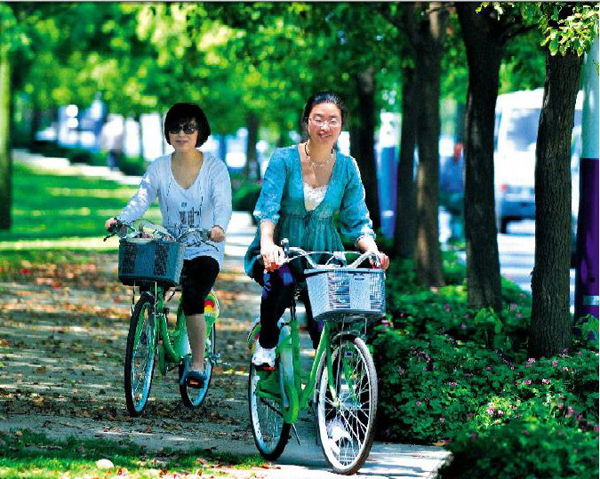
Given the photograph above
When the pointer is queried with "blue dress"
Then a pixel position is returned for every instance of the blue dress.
(282, 202)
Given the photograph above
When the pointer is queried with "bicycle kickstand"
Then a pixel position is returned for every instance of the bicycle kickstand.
(296, 434)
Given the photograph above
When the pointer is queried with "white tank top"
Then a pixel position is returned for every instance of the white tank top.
(313, 196)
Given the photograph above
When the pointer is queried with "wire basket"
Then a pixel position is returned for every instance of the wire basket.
(338, 292)
(150, 260)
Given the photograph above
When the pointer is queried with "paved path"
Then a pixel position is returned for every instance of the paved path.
(298, 461)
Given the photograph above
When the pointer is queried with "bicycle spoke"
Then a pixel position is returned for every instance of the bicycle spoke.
(346, 416)
(270, 406)
(268, 426)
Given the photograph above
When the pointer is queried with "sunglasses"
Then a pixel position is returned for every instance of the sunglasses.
(188, 128)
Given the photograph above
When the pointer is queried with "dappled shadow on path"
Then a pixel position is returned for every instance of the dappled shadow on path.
(63, 328)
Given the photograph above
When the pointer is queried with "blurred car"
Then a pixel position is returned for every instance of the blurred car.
(515, 136)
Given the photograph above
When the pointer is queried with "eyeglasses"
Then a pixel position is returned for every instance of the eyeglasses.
(331, 123)
(188, 128)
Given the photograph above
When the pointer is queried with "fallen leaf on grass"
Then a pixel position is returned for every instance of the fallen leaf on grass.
(104, 464)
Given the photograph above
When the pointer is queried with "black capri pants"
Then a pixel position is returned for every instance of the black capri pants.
(198, 278)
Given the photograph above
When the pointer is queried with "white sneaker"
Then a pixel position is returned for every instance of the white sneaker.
(336, 433)
(263, 356)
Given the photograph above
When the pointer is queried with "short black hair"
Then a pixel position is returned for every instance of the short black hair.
(181, 112)
(323, 97)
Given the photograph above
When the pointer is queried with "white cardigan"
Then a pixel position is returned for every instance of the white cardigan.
(206, 203)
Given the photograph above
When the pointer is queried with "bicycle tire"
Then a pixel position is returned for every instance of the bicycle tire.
(271, 433)
(194, 397)
(140, 356)
(346, 427)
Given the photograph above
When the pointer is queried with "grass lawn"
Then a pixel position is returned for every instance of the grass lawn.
(24, 454)
(52, 208)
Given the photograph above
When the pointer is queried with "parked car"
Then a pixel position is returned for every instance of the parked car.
(515, 136)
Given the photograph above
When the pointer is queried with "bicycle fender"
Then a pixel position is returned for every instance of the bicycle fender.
(211, 305)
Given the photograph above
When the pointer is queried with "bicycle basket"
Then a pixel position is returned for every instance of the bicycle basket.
(337, 292)
(145, 260)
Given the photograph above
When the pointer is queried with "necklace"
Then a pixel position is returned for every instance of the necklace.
(316, 164)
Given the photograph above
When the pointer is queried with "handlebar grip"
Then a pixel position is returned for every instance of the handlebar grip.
(376, 261)
(285, 244)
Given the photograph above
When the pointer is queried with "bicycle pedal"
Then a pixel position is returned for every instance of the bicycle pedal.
(266, 368)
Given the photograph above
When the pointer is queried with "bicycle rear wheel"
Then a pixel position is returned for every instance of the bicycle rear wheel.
(140, 355)
(346, 419)
(194, 397)
(271, 432)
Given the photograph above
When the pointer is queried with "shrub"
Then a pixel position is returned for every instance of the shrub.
(532, 446)
(246, 196)
(457, 376)
(49, 149)
(132, 166)
(80, 155)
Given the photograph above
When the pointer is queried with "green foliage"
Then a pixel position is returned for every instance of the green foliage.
(49, 149)
(586, 331)
(80, 155)
(530, 446)
(566, 27)
(133, 166)
(462, 378)
(246, 196)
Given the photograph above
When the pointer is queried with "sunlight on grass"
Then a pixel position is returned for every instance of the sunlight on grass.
(24, 454)
(51, 210)
(124, 193)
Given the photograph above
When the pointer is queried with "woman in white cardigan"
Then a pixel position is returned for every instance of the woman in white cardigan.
(193, 190)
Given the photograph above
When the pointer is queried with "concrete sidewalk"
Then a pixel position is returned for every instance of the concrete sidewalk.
(299, 461)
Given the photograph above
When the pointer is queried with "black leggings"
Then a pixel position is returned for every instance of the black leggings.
(277, 295)
(199, 275)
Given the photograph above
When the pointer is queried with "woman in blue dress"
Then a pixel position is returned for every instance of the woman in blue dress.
(305, 187)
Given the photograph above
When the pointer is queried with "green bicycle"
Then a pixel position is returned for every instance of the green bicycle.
(151, 260)
(342, 382)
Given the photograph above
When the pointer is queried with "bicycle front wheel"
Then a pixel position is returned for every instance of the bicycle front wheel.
(347, 405)
(140, 355)
(271, 432)
(194, 397)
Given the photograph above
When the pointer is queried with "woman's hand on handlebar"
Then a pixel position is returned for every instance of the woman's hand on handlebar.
(272, 256)
(367, 243)
(110, 224)
(216, 234)
(384, 260)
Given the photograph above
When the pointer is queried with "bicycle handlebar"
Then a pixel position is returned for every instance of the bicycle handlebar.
(158, 232)
(292, 253)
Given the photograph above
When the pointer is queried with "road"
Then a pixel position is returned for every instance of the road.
(517, 253)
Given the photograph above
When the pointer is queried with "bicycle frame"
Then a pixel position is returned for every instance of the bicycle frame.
(175, 344)
(297, 395)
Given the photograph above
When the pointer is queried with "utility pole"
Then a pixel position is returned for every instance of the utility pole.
(586, 276)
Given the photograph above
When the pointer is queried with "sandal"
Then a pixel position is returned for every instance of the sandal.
(185, 362)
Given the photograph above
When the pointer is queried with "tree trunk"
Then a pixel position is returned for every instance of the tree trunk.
(362, 141)
(5, 157)
(550, 329)
(252, 168)
(484, 46)
(404, 232)
(428, 39)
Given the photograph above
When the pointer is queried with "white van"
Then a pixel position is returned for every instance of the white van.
(515, 136)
